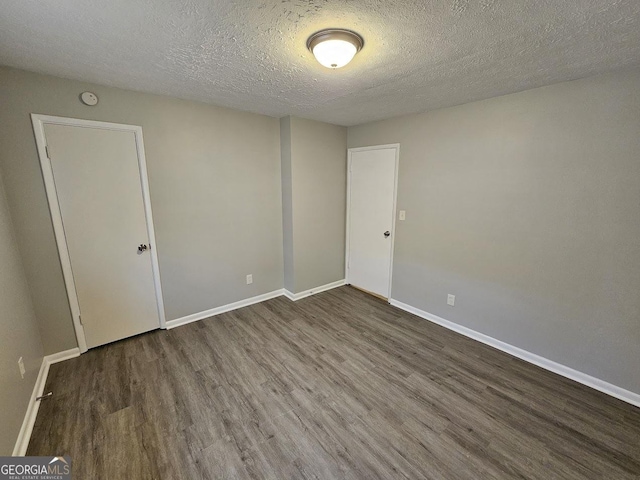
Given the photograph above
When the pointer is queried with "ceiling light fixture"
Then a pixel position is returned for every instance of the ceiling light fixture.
(334, 47)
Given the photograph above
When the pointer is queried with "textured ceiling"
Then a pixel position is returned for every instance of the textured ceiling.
(251, 55)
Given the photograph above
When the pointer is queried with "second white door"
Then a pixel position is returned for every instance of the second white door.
(371, 193)
(99, 192)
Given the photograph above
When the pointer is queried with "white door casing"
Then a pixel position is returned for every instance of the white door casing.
(371, 206)
(97, 187)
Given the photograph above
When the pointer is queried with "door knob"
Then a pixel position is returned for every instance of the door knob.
(142, 247)
(386, 234)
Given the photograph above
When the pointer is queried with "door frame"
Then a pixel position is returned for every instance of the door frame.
(396, 147)
(39, 121)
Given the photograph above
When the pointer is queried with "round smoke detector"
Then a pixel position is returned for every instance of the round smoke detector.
(89, 98)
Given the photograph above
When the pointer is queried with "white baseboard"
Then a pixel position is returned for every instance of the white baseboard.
(194, 317)
(62, 356)
(313, 291)
(604, 387)
(24, 436)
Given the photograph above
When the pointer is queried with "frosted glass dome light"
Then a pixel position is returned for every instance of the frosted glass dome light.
(334, 48)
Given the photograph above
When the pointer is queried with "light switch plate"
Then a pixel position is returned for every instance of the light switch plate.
(403, 214)
(451, 300)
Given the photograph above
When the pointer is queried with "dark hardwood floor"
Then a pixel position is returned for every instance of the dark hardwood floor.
(338, 385)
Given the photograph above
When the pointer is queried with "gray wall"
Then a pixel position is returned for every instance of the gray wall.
(20, 335)
(214, 177)
(287, 205)
(527, 208)
(314, 166)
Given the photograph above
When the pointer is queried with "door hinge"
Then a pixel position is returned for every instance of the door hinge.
(46, 149)
(80, 320)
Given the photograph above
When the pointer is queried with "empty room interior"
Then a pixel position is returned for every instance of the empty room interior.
(320, 239)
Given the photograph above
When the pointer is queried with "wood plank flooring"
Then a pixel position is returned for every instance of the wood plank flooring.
(338, 385)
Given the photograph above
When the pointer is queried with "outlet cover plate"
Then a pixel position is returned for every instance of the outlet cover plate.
(21, 367)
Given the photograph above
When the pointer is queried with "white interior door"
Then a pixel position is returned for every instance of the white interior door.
(372, 190)
(99, 192)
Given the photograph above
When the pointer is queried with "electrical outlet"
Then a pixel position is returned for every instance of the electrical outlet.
(451, 300)
(21, 367)
(403, 215)
(249, 279)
